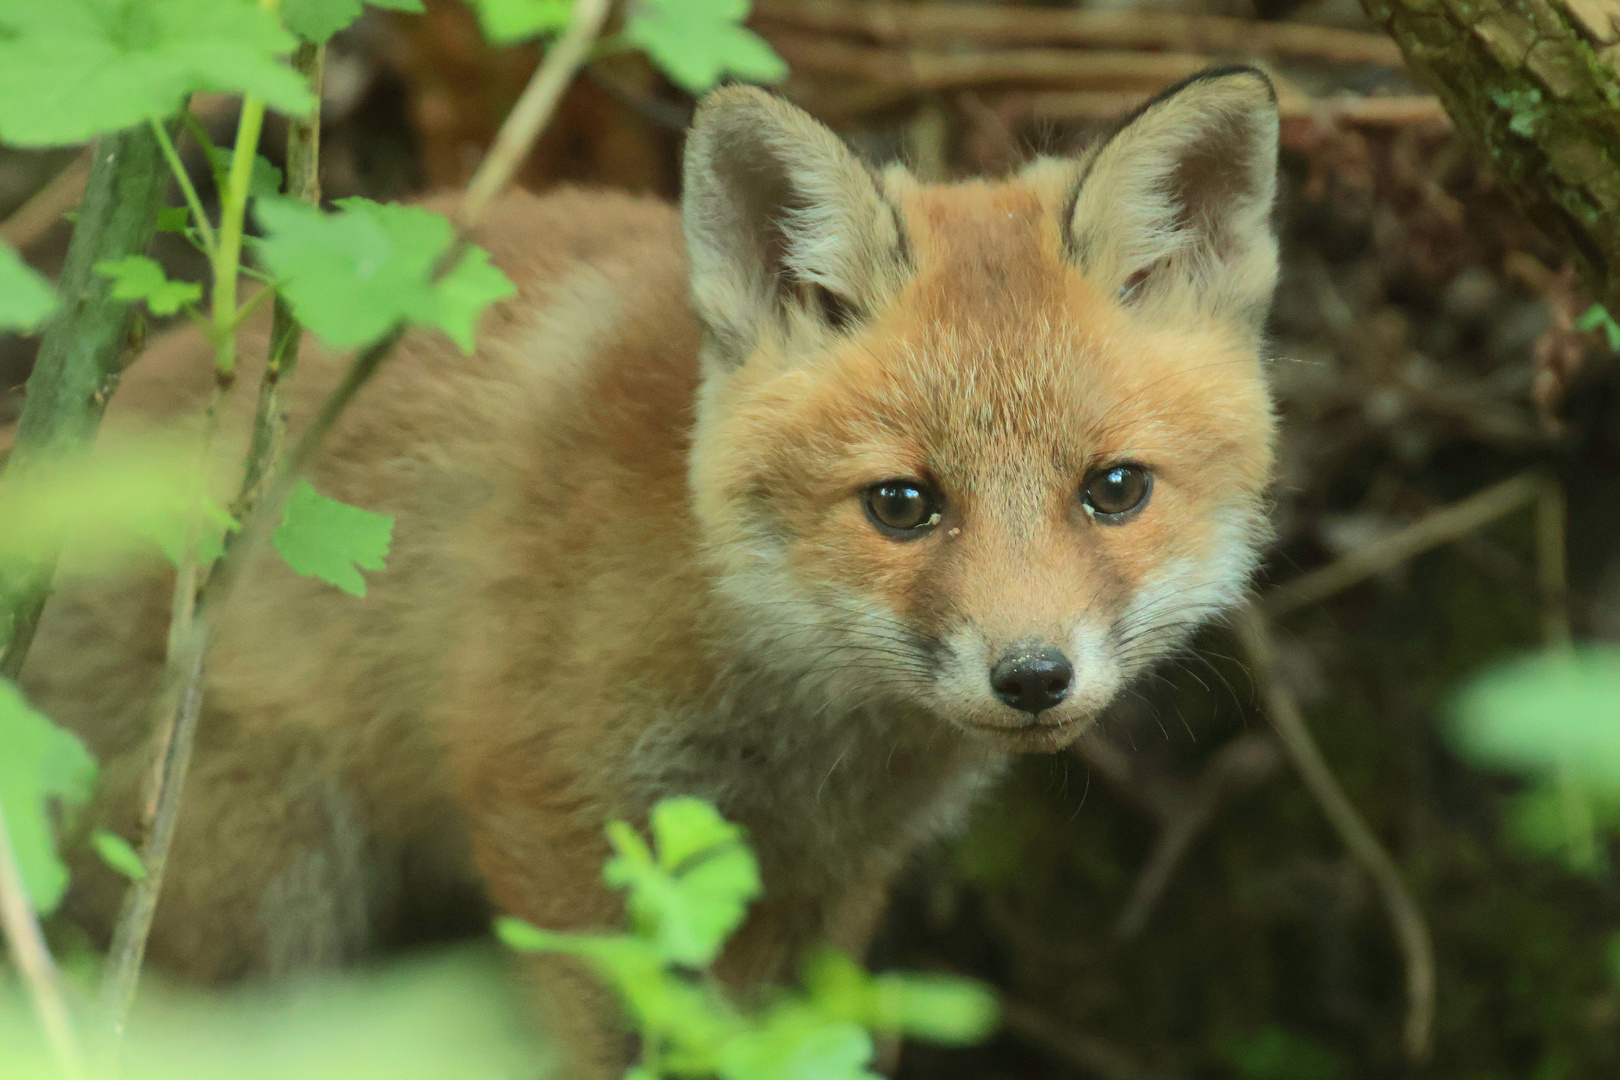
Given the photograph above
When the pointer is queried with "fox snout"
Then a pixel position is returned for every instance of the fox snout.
(1032, 678)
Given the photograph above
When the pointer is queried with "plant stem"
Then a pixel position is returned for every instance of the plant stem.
(228, 252)
(183, 178)
(533, 109)
(1411, 929)
(81, 355)
(33, 959)
(179, 700)
(303, 183)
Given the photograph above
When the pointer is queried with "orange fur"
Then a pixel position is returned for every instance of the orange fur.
(631, 558)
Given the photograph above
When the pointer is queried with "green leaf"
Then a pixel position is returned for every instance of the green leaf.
(1547, 714)
(694, 894)
(323, 538)
(73, 69)
(351, 276)
(1598, 316)
(265, 179)
(25, 297)
(935, 1008)
(318, 20)
(507, 22)
(796, 1044)
(105, 506)
(136, 277)
(116, 853)
(699, 42)
(1278, 1054)
(42, 764)
(176, 219)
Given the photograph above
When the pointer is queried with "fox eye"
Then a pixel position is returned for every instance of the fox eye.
(1114, 493)
(902, 509)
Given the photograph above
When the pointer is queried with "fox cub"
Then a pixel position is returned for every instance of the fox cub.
(818, 500)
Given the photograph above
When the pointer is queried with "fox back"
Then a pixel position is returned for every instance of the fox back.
(877, 484)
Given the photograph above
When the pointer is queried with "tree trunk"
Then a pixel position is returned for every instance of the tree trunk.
(1535, 86)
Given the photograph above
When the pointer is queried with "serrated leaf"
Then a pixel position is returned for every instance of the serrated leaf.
(684, 827)
(507, 22)
(330, 540)
(116, 853)
(264, 179)
(690, 906)
(136, 277)
(25, 297)
(42, 765)
(73, 69)
(796, 1044)
(317, 20)
(352, 275)
(699, 42)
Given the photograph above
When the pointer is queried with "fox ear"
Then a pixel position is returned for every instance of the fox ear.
(786, 231)
(1175, 207)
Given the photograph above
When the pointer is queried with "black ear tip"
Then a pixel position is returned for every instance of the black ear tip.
(1238, 78)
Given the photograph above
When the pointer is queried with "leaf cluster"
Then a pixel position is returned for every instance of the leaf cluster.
(687, 893)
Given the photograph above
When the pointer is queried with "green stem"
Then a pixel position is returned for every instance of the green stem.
(228, 252)
(303, 183)
(83, 350)
(183, 178)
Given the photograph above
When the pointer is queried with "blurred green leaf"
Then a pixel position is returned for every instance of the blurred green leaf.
(264, 179)
(1597, 317)
(176, 219)
(73, 69)
(1278, 1054)
(106, 506)
(116, 853)
(1547, 713)
(25, 297)
(318, 20)
(507, 22)
(696, 891)
(351, 276)
(323, 538)
(934, 1008)
(794, 1043)
(136, 277)
(42, 764)
(699, 42)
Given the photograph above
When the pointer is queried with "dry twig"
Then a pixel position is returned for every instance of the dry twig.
(1091, 1054)
(1390, 551)
(33, 959)
(1411, 930)
(934, 24)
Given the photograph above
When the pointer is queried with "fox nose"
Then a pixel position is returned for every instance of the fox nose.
(1032, 680)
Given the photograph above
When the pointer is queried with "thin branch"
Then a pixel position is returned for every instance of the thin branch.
(1414, 110)
(34, 218)
(1411, 930)
(1091, 1054)
(1552, 564)
(955, 24)
(1238, 766)
(1390, 551)
(304, 184)
(533, 109)
(183, 177)
(81, 355)
(33, 959)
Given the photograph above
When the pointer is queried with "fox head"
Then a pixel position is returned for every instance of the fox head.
(987, 448)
